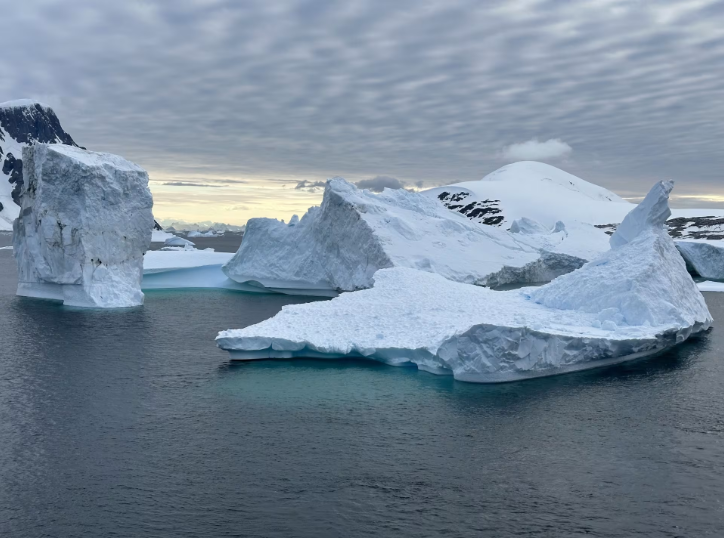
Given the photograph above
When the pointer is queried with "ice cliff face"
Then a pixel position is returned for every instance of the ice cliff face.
(641, 280)
(703, 258)
(22, 122)
(340, 245)
(84, 226)
(635, 300)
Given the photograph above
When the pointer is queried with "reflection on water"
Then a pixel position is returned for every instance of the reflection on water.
(132, 422)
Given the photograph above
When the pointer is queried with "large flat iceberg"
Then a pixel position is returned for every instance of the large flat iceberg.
(634, 300)
(340, 245)
(84, 224)
(179, 269)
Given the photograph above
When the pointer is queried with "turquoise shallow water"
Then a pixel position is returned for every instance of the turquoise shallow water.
(132, 423)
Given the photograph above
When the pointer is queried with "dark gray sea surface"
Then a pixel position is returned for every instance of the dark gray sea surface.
(132, 423)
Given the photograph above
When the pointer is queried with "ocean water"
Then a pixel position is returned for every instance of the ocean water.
(132, 423)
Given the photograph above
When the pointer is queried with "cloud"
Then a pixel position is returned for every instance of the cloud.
(532, 150)
(310, 184)
(184, 184)
(379, 183)
(422, 90)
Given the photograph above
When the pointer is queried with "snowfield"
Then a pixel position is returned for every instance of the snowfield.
(635, 300)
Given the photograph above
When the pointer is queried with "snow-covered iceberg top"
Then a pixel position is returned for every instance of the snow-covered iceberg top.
(340, 245)
(84, 225)
(635, 300)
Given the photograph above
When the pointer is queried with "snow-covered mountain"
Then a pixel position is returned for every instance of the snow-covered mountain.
(546, 194)
(22, 122)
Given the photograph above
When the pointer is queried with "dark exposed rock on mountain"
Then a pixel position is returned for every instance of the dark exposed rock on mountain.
(484, 211)
(22, 123)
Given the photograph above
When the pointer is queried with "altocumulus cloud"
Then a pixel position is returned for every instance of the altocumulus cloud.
(310, 185)
(380, 183)
(533, 150)
(423, 90)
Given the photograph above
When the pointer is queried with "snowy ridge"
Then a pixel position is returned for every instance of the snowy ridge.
(635, 300)
(340, 245)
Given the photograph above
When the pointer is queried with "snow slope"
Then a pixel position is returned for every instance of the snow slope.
(341, 244)
(540, 192)
(635, 300)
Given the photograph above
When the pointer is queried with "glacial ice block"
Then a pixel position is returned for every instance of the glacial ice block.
(704, 258)
(84, 225)
(341, 244)
(635, 300)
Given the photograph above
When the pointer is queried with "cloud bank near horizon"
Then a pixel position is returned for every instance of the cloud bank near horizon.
(419, 91)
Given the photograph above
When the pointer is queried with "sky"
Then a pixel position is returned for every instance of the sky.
(232, 105)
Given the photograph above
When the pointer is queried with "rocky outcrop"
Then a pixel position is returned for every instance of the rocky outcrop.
(22, 123)
(84, 226)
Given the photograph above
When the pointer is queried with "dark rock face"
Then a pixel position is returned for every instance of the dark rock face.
(484, 212)
(27, 124)
(34, 123)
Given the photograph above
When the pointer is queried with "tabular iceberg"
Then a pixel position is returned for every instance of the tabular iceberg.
(84, 225)
(340, 245)
(634, 300)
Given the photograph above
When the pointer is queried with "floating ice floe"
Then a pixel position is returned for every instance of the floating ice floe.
(708, 285)
(188, 269)
(175, 241)
(635, 300)
(340, 245)
(160, 236)
(84, 225)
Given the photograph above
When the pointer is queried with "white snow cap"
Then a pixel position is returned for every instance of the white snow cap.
(652, 213)
(17, 103)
